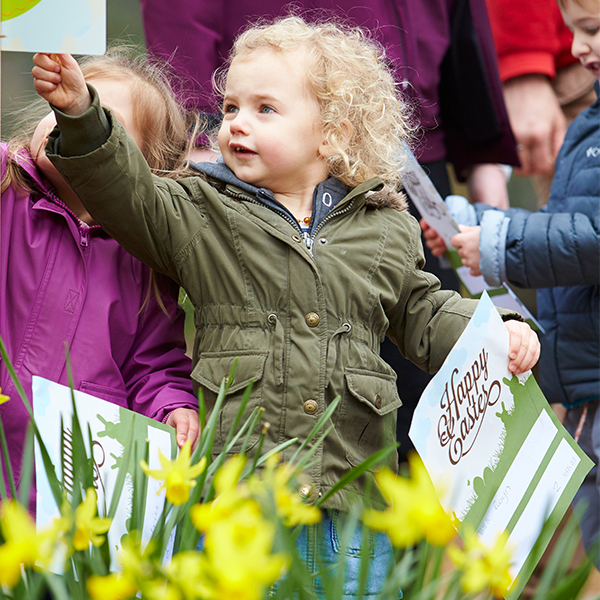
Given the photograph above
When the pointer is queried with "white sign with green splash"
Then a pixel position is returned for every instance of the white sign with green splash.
(497, 454)
(58, 26)
(112, 427)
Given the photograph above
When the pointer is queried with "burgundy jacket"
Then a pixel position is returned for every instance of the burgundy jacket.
(444, 48)
(64, 283)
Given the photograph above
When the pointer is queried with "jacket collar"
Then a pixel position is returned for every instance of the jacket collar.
(326, 196)
(25, 161)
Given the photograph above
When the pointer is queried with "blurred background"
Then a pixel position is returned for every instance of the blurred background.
(124, 23)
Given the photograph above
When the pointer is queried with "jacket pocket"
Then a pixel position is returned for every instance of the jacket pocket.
(367, 419)
(209, 372)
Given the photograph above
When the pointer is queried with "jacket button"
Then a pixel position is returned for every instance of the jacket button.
(304, 490)
(311, 407)
(312, 319)
(377, 401)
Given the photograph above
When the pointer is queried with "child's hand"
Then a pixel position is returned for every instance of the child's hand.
(524, 347)
(467, 245)
(58, 79)
(187, 424)
(433, 240)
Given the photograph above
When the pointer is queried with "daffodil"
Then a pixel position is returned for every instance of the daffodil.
(157, 589)
(89, 527)
(414, 512)
(179, 475)
(184, 571)
(20, 546)
(289, 505)
(135, 561)
(483, 567)
(3, 397)
(110, 587)
(229, 495)
(237, 560)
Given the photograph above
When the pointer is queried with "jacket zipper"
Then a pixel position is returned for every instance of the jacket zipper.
(83, 228)
(330, 215)
(282, 213)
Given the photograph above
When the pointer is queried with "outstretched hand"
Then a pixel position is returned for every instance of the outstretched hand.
(524, 347)
(467, 245)
(58, 79)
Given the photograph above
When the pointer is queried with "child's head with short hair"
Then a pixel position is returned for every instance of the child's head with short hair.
(359, 114)
(582, 17)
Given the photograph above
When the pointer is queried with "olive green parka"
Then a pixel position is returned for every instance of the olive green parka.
(305, 327)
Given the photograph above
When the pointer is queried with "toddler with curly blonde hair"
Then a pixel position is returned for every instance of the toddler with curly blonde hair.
(295, 250)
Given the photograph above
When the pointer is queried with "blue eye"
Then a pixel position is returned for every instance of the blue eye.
(266, 109)
(230, 108)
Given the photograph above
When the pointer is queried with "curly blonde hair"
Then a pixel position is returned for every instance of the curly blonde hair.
(363, 116)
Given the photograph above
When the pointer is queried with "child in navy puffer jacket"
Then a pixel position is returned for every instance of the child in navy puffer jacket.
(557, 251)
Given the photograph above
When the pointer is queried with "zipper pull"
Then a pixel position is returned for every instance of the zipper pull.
(85, 236)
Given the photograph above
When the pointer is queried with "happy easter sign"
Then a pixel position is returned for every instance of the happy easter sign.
(497, 454)
(111, 428)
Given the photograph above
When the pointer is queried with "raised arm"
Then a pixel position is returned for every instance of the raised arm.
(58, 79)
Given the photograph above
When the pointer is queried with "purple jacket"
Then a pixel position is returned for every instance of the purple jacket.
(443, 48)
(61, 282)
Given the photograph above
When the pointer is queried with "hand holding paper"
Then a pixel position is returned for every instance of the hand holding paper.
(433, 240)
(59, 80)
(467, 245)
(524, 347)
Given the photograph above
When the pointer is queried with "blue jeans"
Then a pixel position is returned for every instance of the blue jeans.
(321, 548)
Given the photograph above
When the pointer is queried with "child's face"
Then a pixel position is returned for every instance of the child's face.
(113, 94)
(271, 133)
(584, 22)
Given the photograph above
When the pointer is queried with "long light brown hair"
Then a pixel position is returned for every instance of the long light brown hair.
(158, 113)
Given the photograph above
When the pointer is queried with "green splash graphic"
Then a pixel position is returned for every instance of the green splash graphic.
(16, 8)
(528, 404)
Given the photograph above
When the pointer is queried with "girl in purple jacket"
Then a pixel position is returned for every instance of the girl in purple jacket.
(64, 281)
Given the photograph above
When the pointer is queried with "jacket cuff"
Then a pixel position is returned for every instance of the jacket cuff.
(78, 136)
(492, 247)
(526, 63)
(462, 210)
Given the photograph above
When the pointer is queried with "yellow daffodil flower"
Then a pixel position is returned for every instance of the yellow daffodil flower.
(3, 397)
(289, 505)
(229, 495)
(184, 571)
(157, 589)
(414, 511)
(237, 561)
(110, 587)
(89, 527)
(20, 546)
(179, 475)
(483, 567)
(135, 562)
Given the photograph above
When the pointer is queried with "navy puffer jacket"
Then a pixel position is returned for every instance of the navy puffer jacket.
(557, 251)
